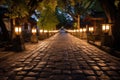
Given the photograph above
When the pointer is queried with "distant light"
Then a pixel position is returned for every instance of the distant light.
(84, 29)
(59, 12)
(34, 31)
(81, 30)
(103, 28)
(45, 31)
(91, 29)
(34, 17)
(37, 20)
(107, 27)
(41, 30)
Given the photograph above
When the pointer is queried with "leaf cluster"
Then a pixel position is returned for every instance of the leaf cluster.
(48, 19)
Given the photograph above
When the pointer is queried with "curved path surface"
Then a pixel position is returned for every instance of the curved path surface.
(61, 57)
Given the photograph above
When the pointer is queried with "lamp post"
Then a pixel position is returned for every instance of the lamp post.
(90, 35)
(34, 38)
(18, 43)
(41, 34)
(77, 33)
(91, 29)
(45, 33)
(34, 31)
(18, 30)
(74, 32)
(81, 32)
(106, 28)
(84, 29)
(84, 33)
(106, 39)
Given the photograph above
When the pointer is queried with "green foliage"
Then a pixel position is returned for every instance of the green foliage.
(61, 3)
(2, 2)
(48, 19)
(17, 8)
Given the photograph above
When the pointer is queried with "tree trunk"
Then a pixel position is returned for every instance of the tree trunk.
(116, 30)
(5, 34)
(113, 17)
(78, 22)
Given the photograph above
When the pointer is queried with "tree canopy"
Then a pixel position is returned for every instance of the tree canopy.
(48, 19)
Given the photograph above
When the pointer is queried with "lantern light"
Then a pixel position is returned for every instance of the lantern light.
(84, 29)
(106, 27)
(103, 27)
(77, 30)
(45, 31)
(18, 30)
(41, 31)
(34, 31)
(81, 30)
(74, 30)
(91, 29)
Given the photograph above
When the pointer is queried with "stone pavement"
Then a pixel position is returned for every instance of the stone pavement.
(61, 57)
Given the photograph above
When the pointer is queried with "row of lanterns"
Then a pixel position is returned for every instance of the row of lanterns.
(105, 29)
(18, 30)
(91, 29)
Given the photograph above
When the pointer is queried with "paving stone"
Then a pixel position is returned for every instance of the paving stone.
(102, 64)
(40, 66)
(104, 77)
(32, 74)
(42, 79)
(66, 72)
(88, 72)
(27, 68)
(79, 77)
(77, 72)
(44, 74)
(36, 69)
(18, 77)
(18, 69)
(47, 69)
(115, 78)
(95, 68)
(29, 78)
(105, 68)
(112, 73)
(57, 71)
(92, 78)
(21, 73)
(60, 77)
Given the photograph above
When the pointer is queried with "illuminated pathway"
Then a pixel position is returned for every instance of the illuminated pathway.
(62, 57)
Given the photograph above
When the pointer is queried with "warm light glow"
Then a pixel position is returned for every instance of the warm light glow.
(74, 30)
(106, 27)
(55, 31)
(91, 29)
(81, 30)
(18, 30)
(77, 30)
(41, 30)
(103, 27)
(34, 31)
(50, 31)
(84, 29)
(45, 31)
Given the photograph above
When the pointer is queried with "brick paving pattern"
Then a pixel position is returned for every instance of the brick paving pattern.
(61, 57)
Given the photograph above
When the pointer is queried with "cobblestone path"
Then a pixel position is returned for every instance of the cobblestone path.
(61, 57)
